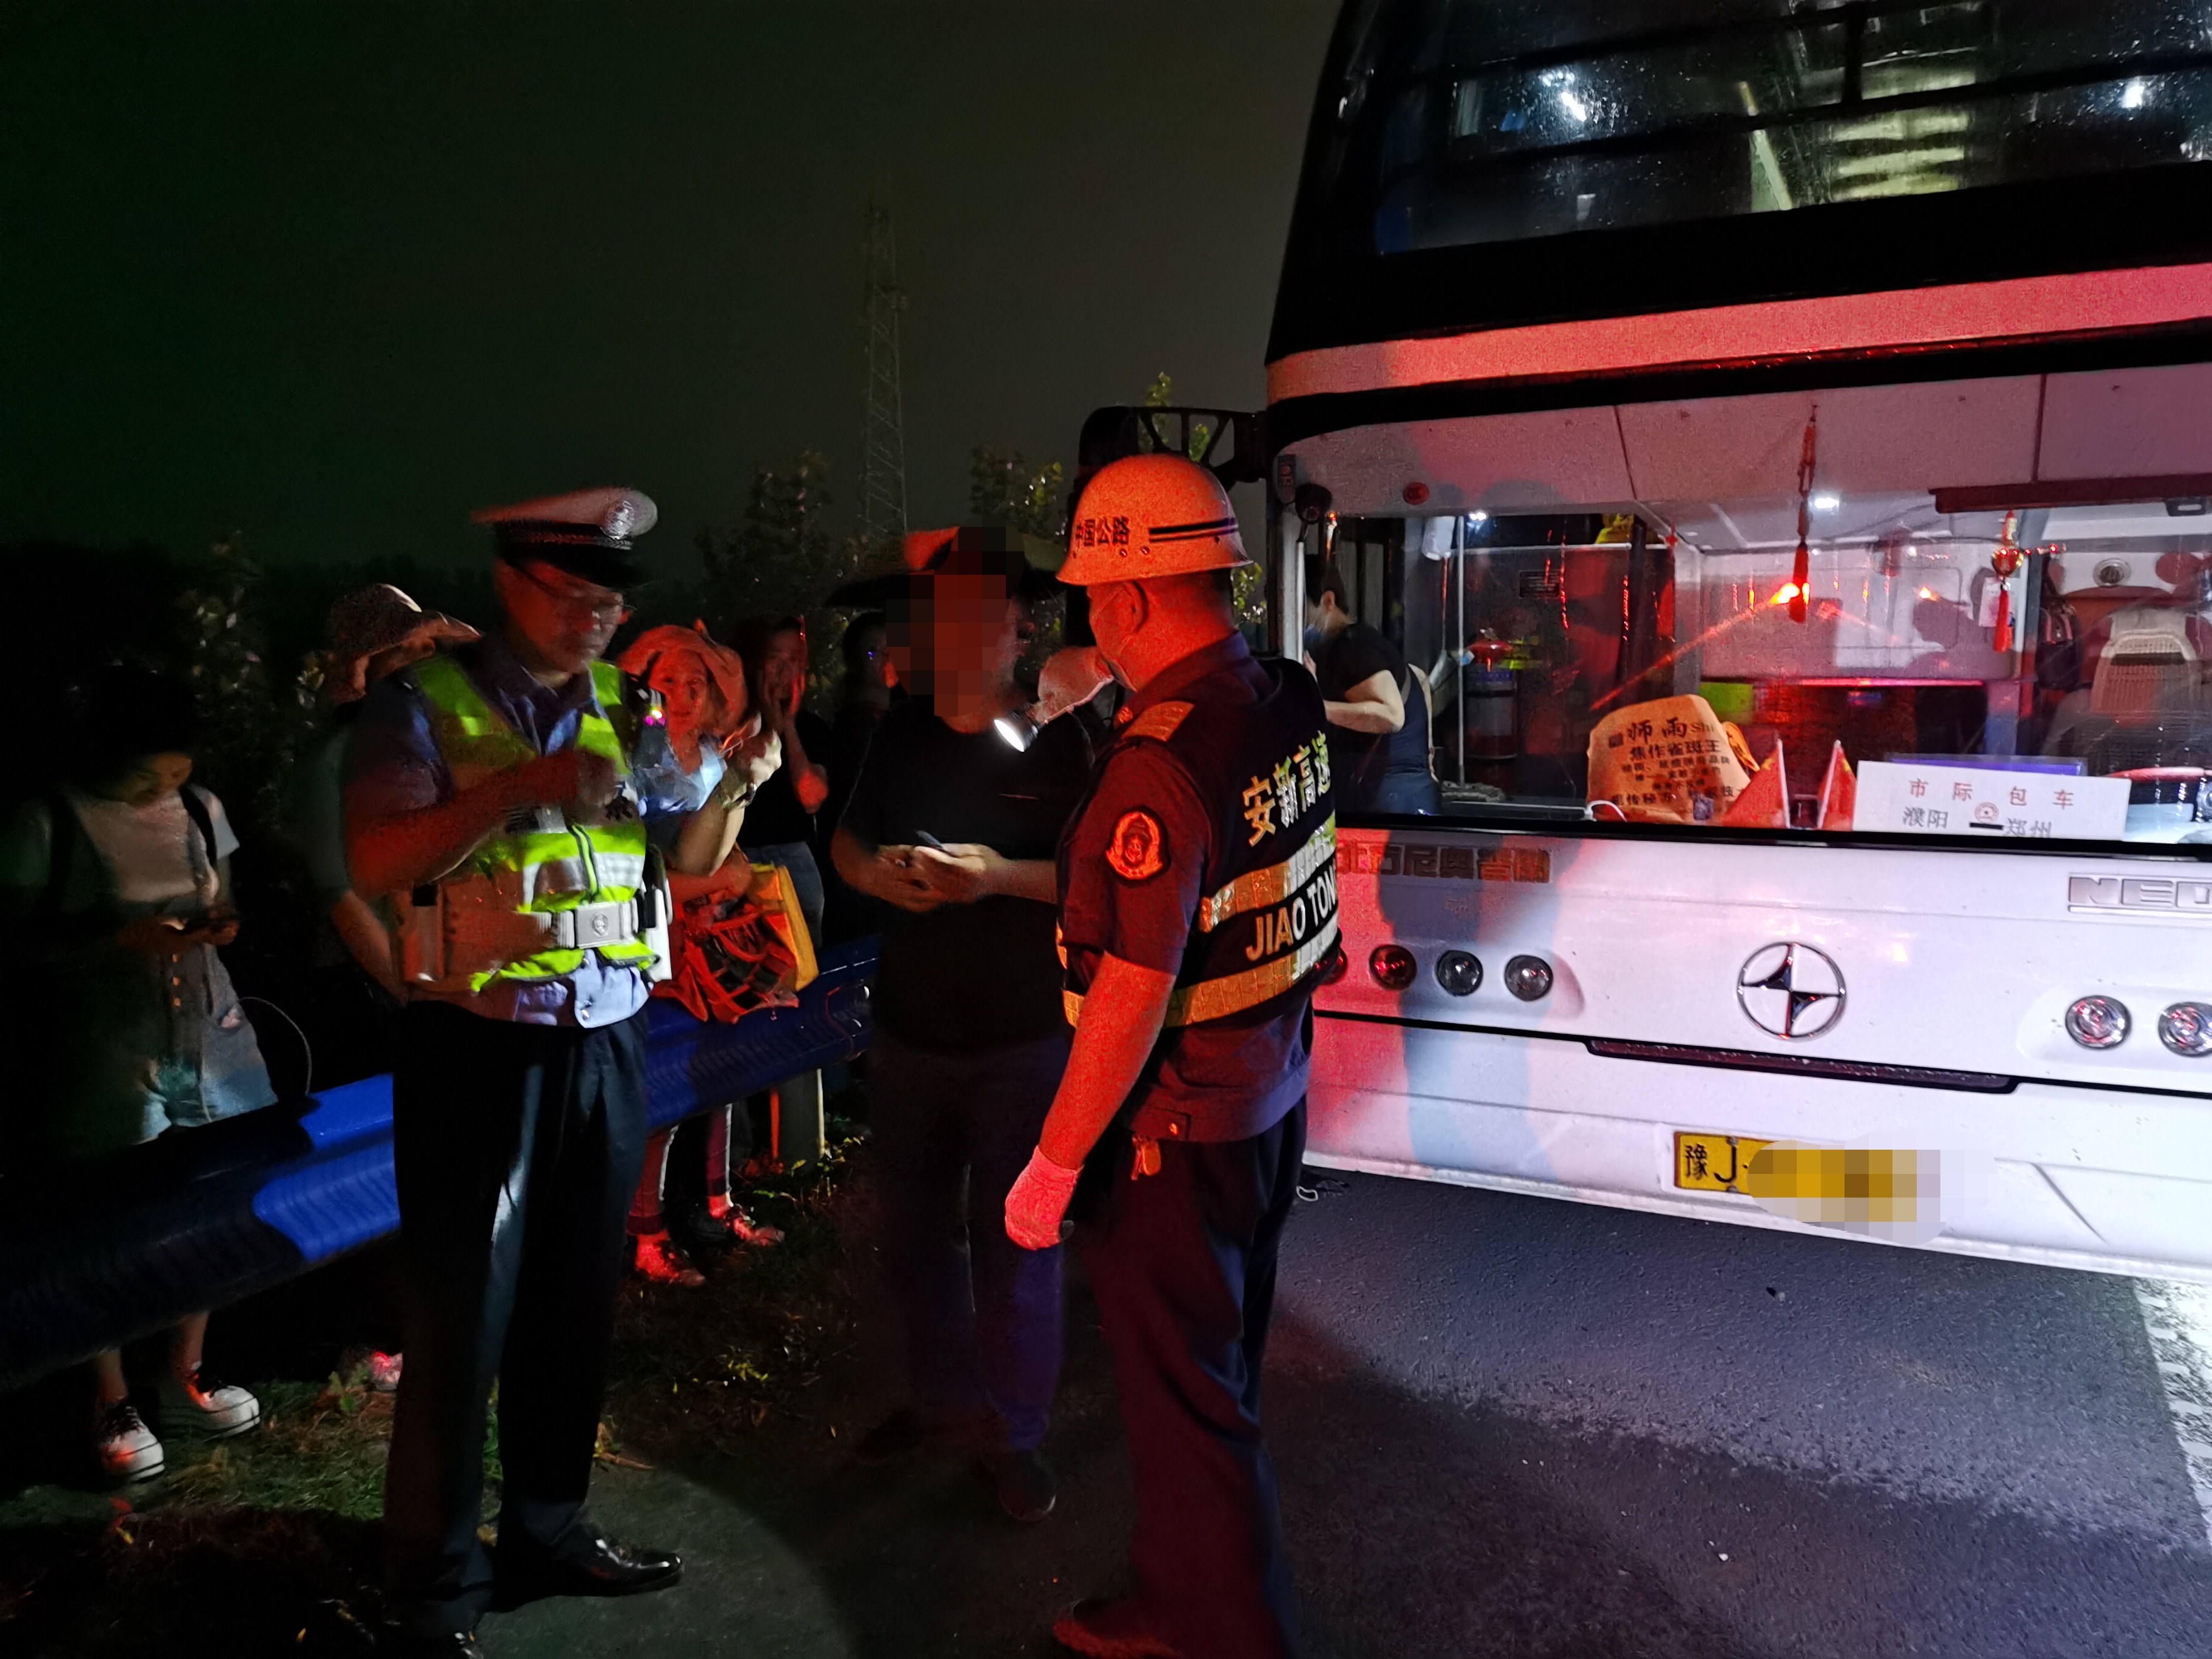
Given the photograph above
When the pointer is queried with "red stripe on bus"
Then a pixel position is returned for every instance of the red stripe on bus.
(2026, 307)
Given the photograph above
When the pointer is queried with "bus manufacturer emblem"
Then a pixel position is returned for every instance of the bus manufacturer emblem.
(1790, 991)
(2173, 896)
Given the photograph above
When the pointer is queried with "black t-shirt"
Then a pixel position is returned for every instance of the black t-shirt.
(1357, 653)
(774, 815)
(987, 974)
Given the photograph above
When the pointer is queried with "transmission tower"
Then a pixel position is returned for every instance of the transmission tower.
(882, 479)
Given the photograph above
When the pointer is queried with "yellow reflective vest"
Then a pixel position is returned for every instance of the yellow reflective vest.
(534, 896)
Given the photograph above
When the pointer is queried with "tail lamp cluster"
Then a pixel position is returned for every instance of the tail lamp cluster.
(1394, 967)
(2100, 1022)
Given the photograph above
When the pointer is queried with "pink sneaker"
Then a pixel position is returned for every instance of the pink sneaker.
(738, 1222)
(660, 1260)
(1112, 1630)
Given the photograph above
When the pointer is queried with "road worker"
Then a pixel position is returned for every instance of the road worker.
(1198, 906)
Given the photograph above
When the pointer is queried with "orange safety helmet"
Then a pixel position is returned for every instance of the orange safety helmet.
(1151, 515)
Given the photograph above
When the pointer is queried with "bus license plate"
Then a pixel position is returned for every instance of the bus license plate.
(1708, 1163)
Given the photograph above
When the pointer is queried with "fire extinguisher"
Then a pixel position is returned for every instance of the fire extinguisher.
(1491, 690)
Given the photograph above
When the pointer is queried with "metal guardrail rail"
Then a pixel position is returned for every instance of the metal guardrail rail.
(204, 1219)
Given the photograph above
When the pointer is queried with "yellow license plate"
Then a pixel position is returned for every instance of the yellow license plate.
(1707, 1163)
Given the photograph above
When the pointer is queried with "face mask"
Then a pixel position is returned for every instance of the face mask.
(1115, 669)
(1315, 638)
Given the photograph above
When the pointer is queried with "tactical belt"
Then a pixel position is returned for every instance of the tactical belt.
(515, 935)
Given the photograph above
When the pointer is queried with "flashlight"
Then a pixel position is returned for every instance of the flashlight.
(1070, 677)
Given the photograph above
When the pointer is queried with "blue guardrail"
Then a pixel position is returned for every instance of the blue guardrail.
(204, 1219)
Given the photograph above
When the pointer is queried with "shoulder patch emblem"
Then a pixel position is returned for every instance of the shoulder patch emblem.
(1160, 721)
(1139, 848)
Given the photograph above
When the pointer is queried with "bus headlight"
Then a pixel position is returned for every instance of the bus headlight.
(1392, 965)
(1459, 973)
(1528, 978)
(2097, 1022)
(2187, 1028)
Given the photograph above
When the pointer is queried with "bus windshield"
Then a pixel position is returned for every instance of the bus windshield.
(1779, 613)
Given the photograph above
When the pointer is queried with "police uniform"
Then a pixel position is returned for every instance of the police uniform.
(519, 1105)
(1206, 849)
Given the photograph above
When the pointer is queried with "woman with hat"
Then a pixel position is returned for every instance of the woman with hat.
(712, 748)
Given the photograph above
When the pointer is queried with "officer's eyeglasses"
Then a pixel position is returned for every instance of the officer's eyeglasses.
(612, 608)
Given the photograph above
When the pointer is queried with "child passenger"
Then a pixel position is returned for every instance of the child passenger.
(118, 882)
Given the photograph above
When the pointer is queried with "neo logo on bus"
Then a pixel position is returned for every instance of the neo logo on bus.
(2165, 895)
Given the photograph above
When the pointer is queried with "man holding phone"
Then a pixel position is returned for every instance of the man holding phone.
(956, 828)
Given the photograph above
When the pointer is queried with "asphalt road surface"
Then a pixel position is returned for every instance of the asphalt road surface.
(1506, 1425)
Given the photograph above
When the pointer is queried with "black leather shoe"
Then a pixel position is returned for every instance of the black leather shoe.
(1026, 1488)
(600, 1567)
(404, 1642)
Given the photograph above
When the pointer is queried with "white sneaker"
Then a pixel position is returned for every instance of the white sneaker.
(127, 1449)
(212, 1407)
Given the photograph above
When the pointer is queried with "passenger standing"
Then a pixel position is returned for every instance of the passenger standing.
(956, 829)
(863, 697)
(486, 799)
(117, 883)
(712, 748)
(780, 826)
(350, 1000)
(1378, 707)
(1198, 901)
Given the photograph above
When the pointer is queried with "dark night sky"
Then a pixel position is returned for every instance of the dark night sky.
(335, 273)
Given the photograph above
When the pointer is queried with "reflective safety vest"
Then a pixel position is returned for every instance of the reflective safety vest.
(537, 894)
(1269, 923)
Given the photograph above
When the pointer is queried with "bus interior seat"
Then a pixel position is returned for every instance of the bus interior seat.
(2148, 667)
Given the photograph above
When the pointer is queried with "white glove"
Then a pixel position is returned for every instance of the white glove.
(1038, 1200)
(1071, 677)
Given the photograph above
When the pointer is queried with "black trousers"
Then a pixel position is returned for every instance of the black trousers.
(1183, 1265)
(517, 1150)
(982, 1318)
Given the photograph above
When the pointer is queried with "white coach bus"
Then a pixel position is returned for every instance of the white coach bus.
(1779, 438)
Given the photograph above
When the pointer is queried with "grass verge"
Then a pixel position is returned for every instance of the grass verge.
(267, 1543)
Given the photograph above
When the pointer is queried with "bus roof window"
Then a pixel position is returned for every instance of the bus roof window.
(1464, 124)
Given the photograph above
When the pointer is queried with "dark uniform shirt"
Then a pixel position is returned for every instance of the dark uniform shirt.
(1153, 841)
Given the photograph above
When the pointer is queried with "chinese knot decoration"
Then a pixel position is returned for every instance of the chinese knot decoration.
(1801, 573)
(2005, 560)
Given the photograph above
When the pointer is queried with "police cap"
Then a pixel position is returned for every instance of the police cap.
(590, 533)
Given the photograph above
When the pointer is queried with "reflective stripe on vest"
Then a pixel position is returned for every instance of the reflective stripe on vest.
(540, 862)
(1217, 998)
(1272, 885)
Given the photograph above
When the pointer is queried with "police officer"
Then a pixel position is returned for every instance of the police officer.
(1198, 900)
(486, 801)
